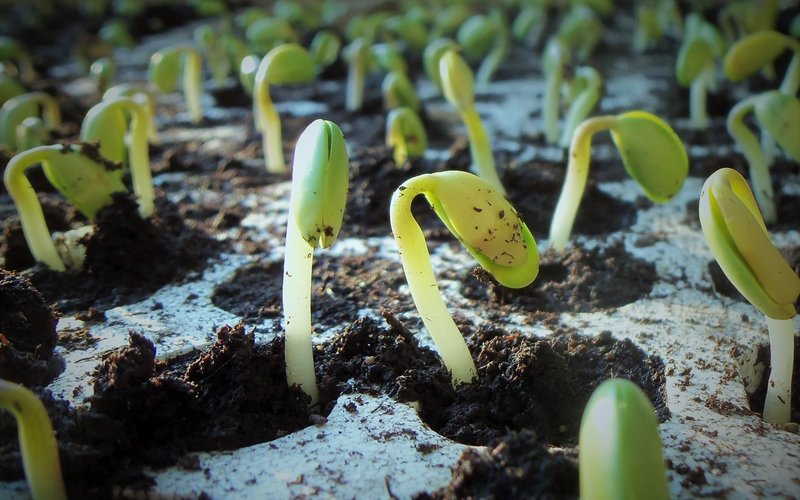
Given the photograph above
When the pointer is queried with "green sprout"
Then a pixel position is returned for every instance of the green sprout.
(316, 211)
(457, 85)
(584, 92)
(267, 33)
(325, 47)
(620, 452)
(653, 155)
(103, 71)
(142, 96)
(486, 38)
(406, 134)
(740, 19)
(9, 86)
(695, 66)
(408, 28)
(556, 55)
(285, 64)
(218, 60)
(75, 171)
(449, 19)
(753, 52)
(488, 227)
(389, 58)
(399, 91)
(12, 51)
(431, 55)
(360, 61)
(530, 22)
(739, 241)
(165, 67)
(106, 123)
(37, 441)
(247, 78)
(580, 31)
(18, 108)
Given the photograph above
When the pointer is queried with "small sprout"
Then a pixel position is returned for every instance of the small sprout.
(106, 123)
(18, 108)
(488, 227)
(399, 91)
(116, 33)
(556, 55)
(653, 155)
(739, 241)
(406, 134)
(585, 88)
(695, 66)
(449, 19)
(217, 59)
(620, 451)
(360, 61)
(325, 47)
(316, 210)
(778, 115)
(409, 29)
(530, 22)
(103, 71)
(37, 441)
(267, 33)
(458, 90)
(365, 26)
(142, 96)
(285, 64)
(84, 181)
(165, 67)
(486, 38)
(11, 51)
(431, 55)
(649, 27)
(758, 50)
(580, 31)
(389, 58)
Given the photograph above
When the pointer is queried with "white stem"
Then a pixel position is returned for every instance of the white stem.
(297, 264)
(192, 74)
(697, 100)
(778, 403)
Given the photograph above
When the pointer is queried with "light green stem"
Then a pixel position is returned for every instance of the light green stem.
(271, 131)
(492, 60)
(778, 403)
(297, 265)
(421, 281)
(580, 152)
(139, 160)
(697, 99)
(356, 74)
(480, 149)
(37, 441)
(751, 147)
(582, 105)
(192, 76)
(29, 209)
(552, 99)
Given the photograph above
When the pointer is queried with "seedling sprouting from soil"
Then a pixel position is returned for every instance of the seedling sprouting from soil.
(285, 64)
(17, 109)
(739, 241)
(165, 68)
(530, 22)
(431, 55)
(316, 210)
(580, 31)
(457, 85)
(217, 59)
(488, 227)
(778, 115)
(143, 97)
(79, 174)
(620, 450)
(556, 55)
(267, 33)
(359, 62)
(584, 92)
(406, 134)
(37, 442)
(758, 50)
(485, 37)
(696, 65)
(325, 47)
(399, 91)
(652, 153)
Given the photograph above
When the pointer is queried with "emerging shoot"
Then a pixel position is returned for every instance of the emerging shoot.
(556, 55)
(585, 88)
(738, 239)
(488, 227)
(316, 211)
(406, 134)
(17, 109)
(359, 60)
(695, 67)
(165, 68)
(399, 91)
(758, 50)
(431, 55)
(653, 155)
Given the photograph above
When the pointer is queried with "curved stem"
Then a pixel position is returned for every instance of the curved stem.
(29, 209)
(192, 75)
(422, 283)
(580, 151)
(583, 104)
(37, 440)
(271, 131)
(778, 403)
(751, 147)
(297, 265)
(480, 149)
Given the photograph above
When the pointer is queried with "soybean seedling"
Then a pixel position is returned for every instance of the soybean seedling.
(143, 97)
(530, 22)
(106, 123)
(387, 56)
(431, 55)
(556, 55)
(457, 85)
(778, 115)
(316, 211)
(653, 155)
(620, 452)
(165, 68)
(580, 31)
(757, 50)
(488, 227)
(78, 172)
(485, 38)
(18, 108)
(218, 61)
(267, 33)
(399, 91)
(37, 442)
(360, 61)
(285, 64)
(584, 90)
(406, 134)
(325, 47)
(695, 66)
(739, 241)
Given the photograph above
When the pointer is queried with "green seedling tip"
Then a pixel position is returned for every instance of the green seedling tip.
(620, 451)
(694, 57)
(457, 80)
(432, 54)
(751, 53)
(287, 64)
(779, 114)
(166, 67)
(406, 134)
(738, 238)
(319, 182)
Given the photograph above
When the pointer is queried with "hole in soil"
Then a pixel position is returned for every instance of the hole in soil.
(578, 280)
(753, 366)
